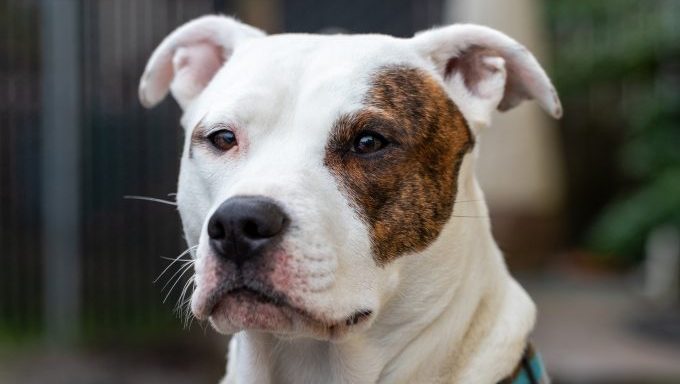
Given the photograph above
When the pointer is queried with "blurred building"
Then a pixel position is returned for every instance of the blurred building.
(520, 164)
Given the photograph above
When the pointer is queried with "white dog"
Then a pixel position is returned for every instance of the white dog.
(327, 184)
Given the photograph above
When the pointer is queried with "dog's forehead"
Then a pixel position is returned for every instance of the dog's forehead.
(310, 79)
(308, 57)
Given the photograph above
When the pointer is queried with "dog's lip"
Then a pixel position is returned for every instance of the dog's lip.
(358, 317)
(278, 300)
(259, 295)
(221, 293)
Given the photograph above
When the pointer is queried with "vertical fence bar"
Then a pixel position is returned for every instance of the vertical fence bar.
(60, 127)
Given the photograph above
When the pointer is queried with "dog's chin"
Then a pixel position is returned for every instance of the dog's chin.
(244, 309)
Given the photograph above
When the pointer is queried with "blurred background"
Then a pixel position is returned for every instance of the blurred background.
(587, 209)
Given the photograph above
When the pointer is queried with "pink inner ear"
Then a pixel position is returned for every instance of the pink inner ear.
(201, 61)
(478, 53)
(470, 63)
(518, 81)
(194, 67)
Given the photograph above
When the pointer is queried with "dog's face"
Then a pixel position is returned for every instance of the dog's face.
(313, 164)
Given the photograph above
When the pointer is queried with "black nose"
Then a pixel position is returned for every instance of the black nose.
(243, 226)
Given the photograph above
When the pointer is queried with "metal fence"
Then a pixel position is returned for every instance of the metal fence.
(120, 149)
(20, 277)
(74, 140)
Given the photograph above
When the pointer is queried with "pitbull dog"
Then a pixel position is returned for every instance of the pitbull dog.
(327, 190)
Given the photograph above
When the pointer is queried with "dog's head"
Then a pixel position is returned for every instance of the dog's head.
(313, 164)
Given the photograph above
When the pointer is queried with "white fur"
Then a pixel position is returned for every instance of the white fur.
(450, 313)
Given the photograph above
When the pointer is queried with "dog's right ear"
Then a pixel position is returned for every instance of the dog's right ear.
(189, 57)
(485, 70)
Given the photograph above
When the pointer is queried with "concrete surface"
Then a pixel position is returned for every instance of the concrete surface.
(598, 329)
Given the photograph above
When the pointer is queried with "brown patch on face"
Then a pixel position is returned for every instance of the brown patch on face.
(405, 192)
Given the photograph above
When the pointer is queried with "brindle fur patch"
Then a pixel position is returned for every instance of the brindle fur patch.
(406, 192)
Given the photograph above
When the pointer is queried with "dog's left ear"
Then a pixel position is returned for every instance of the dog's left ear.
(188, 58)
(485, 70)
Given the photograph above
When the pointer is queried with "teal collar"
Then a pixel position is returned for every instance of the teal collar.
(529, 370)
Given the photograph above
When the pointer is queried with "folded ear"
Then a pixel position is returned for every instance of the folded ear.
(188, 58)
(486, 70)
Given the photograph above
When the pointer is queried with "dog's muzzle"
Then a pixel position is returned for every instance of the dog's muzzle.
(240, 288)
(244, 227)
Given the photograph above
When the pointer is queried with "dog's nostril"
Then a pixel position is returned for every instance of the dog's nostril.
(250, 229)
(262, 229)
(215, 229)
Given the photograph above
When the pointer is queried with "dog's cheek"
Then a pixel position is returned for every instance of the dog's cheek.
(325, 264)
(307, 263)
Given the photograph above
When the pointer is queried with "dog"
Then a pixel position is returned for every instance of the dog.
(328, 195)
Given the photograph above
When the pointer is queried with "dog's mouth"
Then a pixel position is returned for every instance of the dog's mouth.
(241, 293)
(244, 293)
(246, 307)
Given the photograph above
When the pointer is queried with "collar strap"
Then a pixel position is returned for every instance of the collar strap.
(529, 370)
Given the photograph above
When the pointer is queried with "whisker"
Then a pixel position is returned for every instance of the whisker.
(187, 264)
(182, 269)
(176, 276)
(181, 306)
(189, 321)
(146, 198)
(174, 285)
(175, 260)
(184, 291)
(185, 313)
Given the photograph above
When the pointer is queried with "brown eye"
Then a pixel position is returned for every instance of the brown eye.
(368, 142)
(223, 139)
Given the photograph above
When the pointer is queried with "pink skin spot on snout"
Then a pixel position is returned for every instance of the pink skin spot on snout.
(281, 272)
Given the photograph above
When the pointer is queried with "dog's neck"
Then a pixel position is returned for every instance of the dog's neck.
(465, 320)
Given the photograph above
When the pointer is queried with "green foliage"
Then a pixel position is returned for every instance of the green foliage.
(631, 47)
(622, 227)
(650, 156)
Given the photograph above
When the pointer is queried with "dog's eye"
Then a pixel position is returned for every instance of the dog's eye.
(223, 139)
(368, 142)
